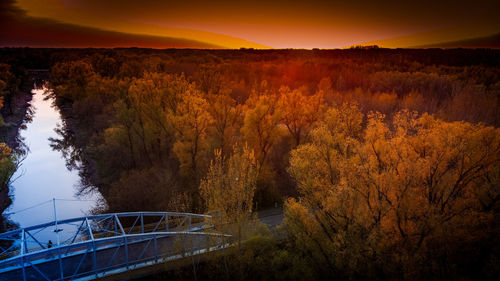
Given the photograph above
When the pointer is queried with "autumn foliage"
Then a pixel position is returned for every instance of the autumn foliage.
(392, 200)
(387, 162)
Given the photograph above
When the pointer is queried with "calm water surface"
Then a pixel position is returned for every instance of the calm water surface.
(44, 176)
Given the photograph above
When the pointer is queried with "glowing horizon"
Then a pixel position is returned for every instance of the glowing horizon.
(280, 24)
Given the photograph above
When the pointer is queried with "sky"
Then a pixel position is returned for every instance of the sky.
(255, 23)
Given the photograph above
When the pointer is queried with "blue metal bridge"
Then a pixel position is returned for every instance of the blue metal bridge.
(102, 245)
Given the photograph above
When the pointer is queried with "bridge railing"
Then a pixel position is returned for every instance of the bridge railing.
(69, 231)
(97, 245)
(110, 255)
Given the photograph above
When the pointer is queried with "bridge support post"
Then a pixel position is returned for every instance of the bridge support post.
(126, 250)
(124, 240)
(23, 250)
(61, 270)
(156, 249)
(166, 223)
(94, 254)
(24, 270)
(142, 223)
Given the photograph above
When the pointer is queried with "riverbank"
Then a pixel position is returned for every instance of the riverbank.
(10, 132)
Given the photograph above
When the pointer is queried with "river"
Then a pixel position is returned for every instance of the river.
(44, 176)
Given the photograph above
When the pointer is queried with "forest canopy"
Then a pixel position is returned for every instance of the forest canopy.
(386, 162)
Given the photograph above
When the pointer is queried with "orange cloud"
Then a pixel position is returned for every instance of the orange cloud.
(280, 23)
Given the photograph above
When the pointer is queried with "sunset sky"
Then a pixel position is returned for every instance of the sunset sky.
(235, 24)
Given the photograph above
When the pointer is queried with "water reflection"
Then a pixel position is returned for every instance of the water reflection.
(65, 145)
(44, 173)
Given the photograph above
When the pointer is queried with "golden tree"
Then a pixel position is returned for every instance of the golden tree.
(299, 112)
(261, 124)
(191, 123)
(229, 187)
(392, 197)
(155, 99)
(9, 163)
(227, 119)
